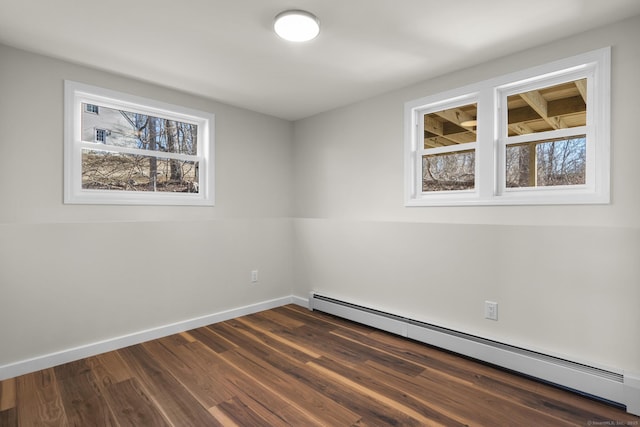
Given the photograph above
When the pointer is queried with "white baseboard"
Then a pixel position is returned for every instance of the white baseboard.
(53, 359)
(303, 302)
(614, 386)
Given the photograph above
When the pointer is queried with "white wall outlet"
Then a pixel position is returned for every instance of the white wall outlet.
(254, 276)
(491, 310)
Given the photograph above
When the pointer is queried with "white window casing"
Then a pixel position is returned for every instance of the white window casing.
(492, 138)
(77, 94)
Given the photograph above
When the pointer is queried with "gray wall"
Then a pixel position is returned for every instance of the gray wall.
(72, 275)
(567, 278)
(314, 205)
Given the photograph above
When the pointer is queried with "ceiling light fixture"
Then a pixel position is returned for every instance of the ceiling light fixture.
(296, 25)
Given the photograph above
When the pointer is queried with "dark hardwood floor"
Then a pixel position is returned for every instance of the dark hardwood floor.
(289, 366)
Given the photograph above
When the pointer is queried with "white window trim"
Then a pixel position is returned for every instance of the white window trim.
(492, 115)
(78, 93)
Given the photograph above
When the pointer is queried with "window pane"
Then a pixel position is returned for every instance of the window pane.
(449, 171)
(133, 130)
(547, 163)
(554, 107)
(115, 171)
(450, 127)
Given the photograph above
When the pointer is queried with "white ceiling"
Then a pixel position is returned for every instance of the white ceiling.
(226, 49)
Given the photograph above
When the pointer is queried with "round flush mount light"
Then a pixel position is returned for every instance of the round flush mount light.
(296, 25)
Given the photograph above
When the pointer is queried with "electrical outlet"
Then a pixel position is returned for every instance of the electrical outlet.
(254, 276)
(491, 310)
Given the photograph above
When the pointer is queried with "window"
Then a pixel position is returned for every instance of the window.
(539, 136)
(90, 108)
(101, 135)
(449, 151)
(136, 151)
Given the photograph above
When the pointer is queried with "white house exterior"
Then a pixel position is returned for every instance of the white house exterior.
(108, 126)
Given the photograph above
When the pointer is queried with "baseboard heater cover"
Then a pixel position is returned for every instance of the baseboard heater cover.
(611, 386)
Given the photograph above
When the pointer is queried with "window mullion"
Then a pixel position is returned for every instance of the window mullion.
(552, 134)
(485, 152)
(447, 149)
(137, 151)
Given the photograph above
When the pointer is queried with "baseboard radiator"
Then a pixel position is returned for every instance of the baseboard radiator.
(613, 387)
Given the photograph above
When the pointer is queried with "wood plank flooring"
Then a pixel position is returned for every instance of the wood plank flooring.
(289, 367)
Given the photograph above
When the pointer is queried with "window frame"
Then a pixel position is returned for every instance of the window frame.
(78, 93)
(420, 151)
(492, 138)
